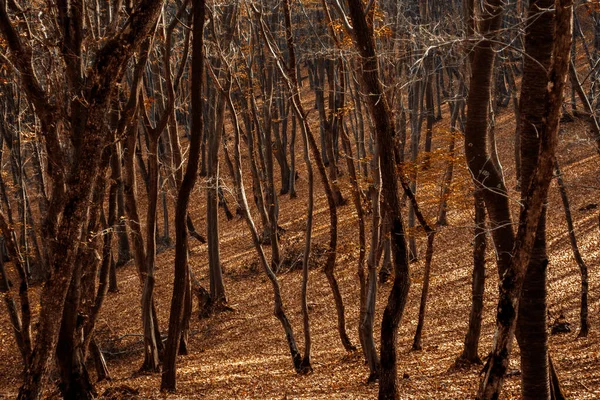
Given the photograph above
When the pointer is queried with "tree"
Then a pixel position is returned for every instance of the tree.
(79, 121)
(362, 34)
(515, 276)
(182, 274)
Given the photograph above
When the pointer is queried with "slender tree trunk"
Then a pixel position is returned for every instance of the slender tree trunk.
(217, 285)
(182, 280)
(347, 146)
(584, 323)
(384, 128)
(272, 199)
(151, 357)
(278, 310)
(306, 365)
(13, 313)
(293, 193)
(366, 322)
(470, 350)
(425, 292)
(292, 83)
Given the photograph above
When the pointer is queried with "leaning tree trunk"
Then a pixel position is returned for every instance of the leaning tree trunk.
(292, 82)
(278, 310)
(584, 323)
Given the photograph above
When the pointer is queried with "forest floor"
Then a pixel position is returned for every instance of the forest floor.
(243, 353)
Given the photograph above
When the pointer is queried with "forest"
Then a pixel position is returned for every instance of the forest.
(299, 199)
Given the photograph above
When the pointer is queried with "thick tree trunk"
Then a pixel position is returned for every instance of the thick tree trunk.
(532, 333)
(529, 222)
(484, 172)
(75, 381)
(70, 350)
(86, 127)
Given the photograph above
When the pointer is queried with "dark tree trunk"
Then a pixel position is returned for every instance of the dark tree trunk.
(361, 228)
(181, 284)
(217, 285)
(470, 351)
(75, 381)
(425, 292)
(99, 361)
(72, 201)
(13, 313)
(384, 128)
(531, 218)
(151, 356)
(531, 331)
(377, 230)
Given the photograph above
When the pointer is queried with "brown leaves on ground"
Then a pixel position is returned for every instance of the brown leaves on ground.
(243, 354)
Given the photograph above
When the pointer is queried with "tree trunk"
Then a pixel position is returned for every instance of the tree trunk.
(217, 285)
(425, 292)
(384, 128)
(584, 323)
(470, 350)
(182, 280)
(347, 146)
(366, 322)
(292, 83)
(278, 311)
(529, 222)
(532, 333)
(151, 357)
